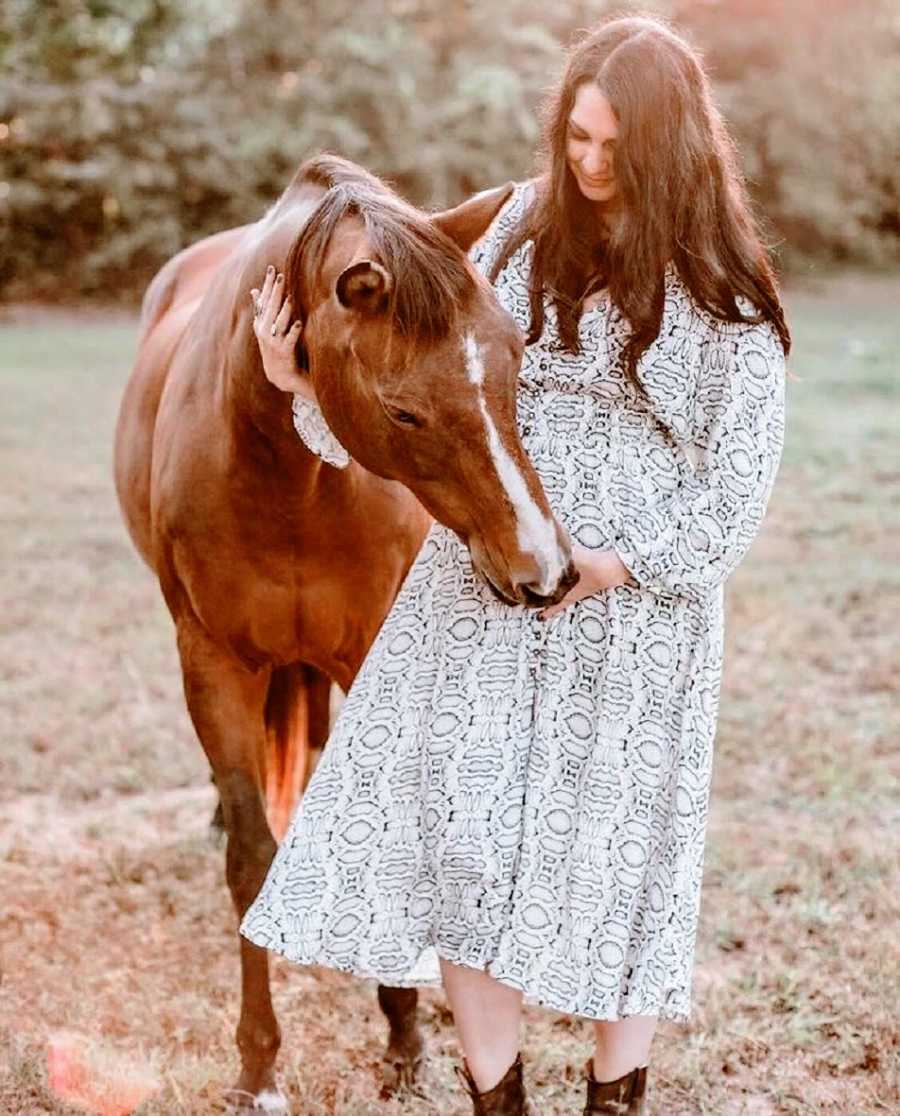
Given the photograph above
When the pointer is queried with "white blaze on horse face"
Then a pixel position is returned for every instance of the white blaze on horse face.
(535, 532)
(474, 363)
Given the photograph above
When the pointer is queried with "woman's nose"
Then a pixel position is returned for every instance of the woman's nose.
(596, 164)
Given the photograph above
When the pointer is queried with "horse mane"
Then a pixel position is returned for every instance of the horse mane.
(431, 281)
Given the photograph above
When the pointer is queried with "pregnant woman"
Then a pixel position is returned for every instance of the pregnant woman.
(513, 804)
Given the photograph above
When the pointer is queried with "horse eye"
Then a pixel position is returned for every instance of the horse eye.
(406, 417)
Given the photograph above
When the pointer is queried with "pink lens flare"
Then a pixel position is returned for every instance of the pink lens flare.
(93, 1080)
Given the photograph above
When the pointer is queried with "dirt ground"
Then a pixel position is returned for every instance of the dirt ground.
(119, 950)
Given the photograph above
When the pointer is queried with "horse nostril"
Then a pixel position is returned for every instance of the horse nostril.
(533, 592)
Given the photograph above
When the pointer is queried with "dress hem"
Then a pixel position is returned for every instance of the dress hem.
(457, 957)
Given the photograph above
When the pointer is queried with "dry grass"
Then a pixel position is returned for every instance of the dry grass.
(117, 926)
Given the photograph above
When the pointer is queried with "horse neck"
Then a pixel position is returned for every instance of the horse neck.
(250, 402)
(256, 415)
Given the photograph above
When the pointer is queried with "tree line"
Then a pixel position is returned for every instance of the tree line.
(129, 128)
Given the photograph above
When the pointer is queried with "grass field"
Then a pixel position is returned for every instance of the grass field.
(117, 928)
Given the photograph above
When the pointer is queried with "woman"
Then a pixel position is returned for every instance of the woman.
(515, 803)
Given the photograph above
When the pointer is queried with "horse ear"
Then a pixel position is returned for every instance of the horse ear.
(364, 286)
(469, 221)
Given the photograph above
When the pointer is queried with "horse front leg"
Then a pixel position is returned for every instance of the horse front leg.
(402, 1060)
(226, 703)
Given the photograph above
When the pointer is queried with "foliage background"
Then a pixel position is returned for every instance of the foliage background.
(129, 128)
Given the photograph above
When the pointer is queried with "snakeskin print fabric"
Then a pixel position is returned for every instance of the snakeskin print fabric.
(316, 434)
(530, 797)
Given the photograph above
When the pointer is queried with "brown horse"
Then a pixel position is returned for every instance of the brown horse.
(278, 569)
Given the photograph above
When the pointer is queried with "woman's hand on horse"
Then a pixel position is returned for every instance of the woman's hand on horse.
(599, 569)
(277, 336)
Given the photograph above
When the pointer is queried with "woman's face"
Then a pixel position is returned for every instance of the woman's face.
(591, 143)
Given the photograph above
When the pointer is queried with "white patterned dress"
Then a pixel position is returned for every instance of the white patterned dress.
(530, 797)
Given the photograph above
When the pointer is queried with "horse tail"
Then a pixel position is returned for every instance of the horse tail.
(297, 717)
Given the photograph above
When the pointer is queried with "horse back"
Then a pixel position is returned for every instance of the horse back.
(168, 306)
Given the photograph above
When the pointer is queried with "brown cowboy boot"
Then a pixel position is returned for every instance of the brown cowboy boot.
(507, 1098)
(622, 1097)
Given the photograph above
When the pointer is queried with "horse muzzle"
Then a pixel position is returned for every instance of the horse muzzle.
(524, 593)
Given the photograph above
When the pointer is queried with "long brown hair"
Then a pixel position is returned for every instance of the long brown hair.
(683, 196)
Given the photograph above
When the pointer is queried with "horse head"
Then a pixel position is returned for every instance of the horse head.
(415, 364)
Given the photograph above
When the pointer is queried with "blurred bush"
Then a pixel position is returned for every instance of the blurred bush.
(129, 128)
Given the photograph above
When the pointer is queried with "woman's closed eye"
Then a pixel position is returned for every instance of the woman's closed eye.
(578, 135)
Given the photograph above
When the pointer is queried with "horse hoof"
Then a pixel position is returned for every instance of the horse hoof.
(271, 1101)
(401, 1066)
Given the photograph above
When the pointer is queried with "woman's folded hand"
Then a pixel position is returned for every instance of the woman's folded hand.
(277, 336)
(599, 570)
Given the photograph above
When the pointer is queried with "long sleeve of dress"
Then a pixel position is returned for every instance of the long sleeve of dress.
(690, 540)
(315, 433)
